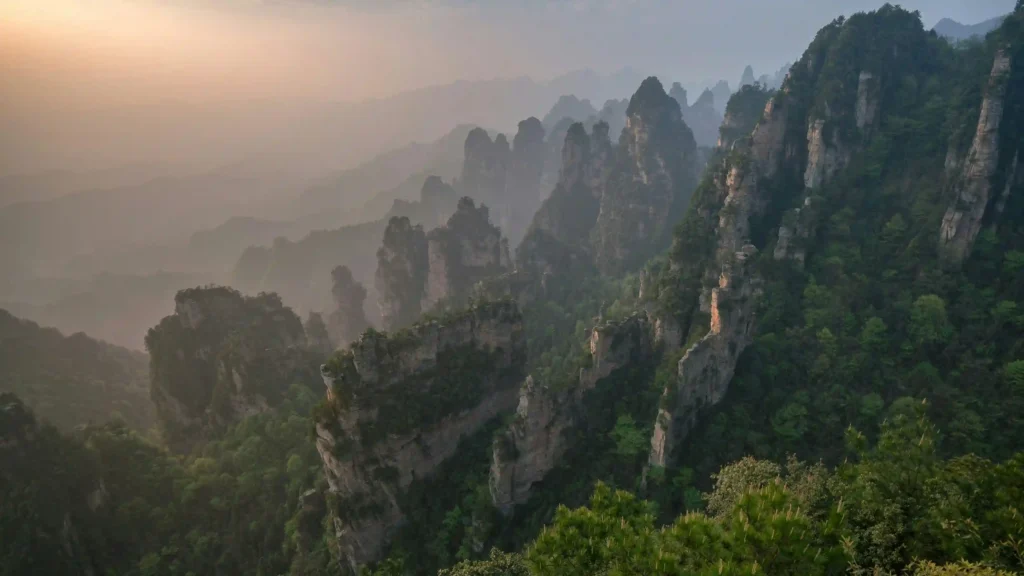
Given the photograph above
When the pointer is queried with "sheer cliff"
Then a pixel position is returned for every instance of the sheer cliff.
(869, 91)
(397, 406)
(617, 204)
(418, 271)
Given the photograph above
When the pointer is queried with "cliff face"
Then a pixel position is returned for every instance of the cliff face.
(525, 171)
(222, 356)
(973, 188)
(650, 184)
(741, 114)
(465, 251)
(615, 206)
(807, 134)
(534, 443)
(401, 277)
(485, 167)
(417, 271)
(397, 407)
(507, 180)
(569, 214)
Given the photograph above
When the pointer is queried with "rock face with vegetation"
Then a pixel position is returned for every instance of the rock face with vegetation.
(506, 179)
(485, 168)
(742, 114)
(401, 278)
(73, 380)
(650, 184)
(300, 270)
(808, 133)
(535, 442)
(348, 320)
(465, 251)
(972, 188)
(615, 206)
(569, 214)
(222, 356)
(397, 407)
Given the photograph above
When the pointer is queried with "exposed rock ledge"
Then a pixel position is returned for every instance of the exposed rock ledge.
(534, 443)
(373, 442)
(973, 188)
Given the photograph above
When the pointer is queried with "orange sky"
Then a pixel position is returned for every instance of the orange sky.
(121, 51)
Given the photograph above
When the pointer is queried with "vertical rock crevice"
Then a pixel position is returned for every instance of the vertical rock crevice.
(972, 188)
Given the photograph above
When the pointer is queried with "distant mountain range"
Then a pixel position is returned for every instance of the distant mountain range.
(956, 31)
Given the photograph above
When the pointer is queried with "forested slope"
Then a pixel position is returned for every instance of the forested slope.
(824, 373)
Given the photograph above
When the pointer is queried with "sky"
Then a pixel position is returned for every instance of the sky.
(90, 84)
(111, 52)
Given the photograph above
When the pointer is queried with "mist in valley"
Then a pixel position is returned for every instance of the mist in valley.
(524, 288)
(146, 145)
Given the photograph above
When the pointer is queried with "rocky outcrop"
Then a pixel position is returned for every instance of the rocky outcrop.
(465, 251)
(748, 76)
(347, 321)
(650, 185)
(525, 171)
(741, 114)
(808, 132)
(397, 407)
(485, 167)
(222, 356)
(534, 443)
(868, 89)
(826, 154)
(570, 213)
(506, 179)
(972, 190)
(401, 279)
(706, 369)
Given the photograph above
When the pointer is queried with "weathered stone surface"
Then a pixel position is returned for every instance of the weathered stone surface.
(705, 370)
(973, 188)
(868, 92)
(485, 167)
(650, 188)
(825, 156)
(525, 171)
(534, 443)
(467, 250)
(569, 214)
(367, 473)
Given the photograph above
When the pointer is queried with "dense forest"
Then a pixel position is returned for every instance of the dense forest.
(802, 353)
